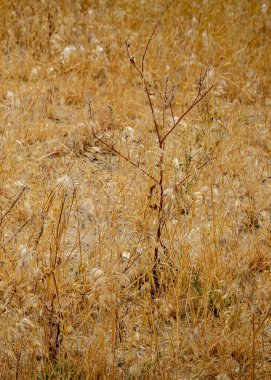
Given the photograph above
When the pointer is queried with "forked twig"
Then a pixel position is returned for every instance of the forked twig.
(160, 181)
(195, 102)
(146, 85)
(161, 141)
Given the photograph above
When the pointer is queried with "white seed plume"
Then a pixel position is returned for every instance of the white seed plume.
(10, 95)
(126, 255)
(169, 192)
(34, 72)
(264, 8)
(191, 34)
(68, 52)
(129, 132)
(87, 209)
(205, 40)
(176, 163)
(65, 181)
(96, 273)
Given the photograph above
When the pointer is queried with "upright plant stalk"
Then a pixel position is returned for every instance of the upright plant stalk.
(161, 138)
(160, 220)
(161, 142)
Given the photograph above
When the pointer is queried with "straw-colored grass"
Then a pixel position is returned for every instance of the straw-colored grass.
(78, 227)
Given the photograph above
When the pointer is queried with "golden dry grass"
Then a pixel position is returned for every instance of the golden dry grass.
(77, 229)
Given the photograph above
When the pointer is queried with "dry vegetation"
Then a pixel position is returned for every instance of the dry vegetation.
(78, 222)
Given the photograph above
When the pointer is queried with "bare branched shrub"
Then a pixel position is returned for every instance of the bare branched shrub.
(134, 196)
(162, 130)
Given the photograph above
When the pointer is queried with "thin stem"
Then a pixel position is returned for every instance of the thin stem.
(153, 33)
(153, 113)
(13, 204)
(111, 147)
(195, 102)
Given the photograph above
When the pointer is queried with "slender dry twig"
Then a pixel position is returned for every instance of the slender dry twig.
(162, 139)
(153, 33)
(263, 321)
(16, 233)
(15, 201)
(160, 182)
(113, 149)
(146, 85)
(195, 102)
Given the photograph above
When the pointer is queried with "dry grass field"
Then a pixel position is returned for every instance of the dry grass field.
(128, 251)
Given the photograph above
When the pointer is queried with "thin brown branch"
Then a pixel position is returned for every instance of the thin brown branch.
(58, 232)
(263, 321)
(172, 112)
(16, 233)
(153, 33)
(195, 102)
(113, 149)
(13, 204)
(39, 235)
(202, 164)
(132, 59)
(153, 113)
(141, 71)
